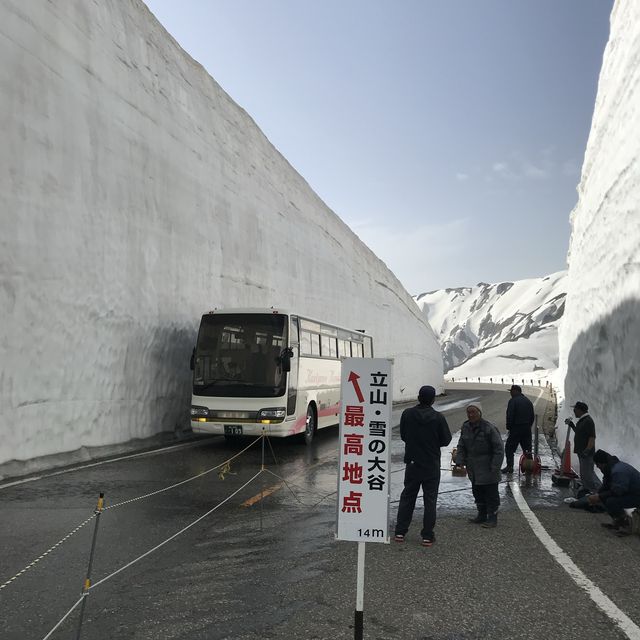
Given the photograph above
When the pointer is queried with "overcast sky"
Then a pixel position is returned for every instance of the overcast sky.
(449, 134)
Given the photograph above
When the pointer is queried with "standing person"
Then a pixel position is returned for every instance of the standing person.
(423, 431)
(480, 448)
(520, 419)
(584, 445)
(619, 491)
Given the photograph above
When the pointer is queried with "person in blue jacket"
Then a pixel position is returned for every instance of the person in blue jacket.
(620, 488)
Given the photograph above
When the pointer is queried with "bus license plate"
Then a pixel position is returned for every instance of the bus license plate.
(232, 430)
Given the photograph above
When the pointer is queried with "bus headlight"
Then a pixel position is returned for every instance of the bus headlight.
(199, 412)
(275, 414)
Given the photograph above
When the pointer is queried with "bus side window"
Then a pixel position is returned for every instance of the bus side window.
(305, 343)
(325, 347)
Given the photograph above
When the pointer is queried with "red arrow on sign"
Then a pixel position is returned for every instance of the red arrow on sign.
(353, 379)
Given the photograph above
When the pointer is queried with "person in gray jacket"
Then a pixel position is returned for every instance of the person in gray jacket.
(480, 448)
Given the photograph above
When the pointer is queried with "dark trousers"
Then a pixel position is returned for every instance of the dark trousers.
(487, 497)
(414, 478)
(588, 477)
(615, 505)
(517, 436)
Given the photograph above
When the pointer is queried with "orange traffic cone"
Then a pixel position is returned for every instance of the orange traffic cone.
(565, 474)
(566, 468)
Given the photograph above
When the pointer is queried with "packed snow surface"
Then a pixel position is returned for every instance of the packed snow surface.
(134, 196)
(600, 332)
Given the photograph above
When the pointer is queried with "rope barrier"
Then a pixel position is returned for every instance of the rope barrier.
(66, 615)
(47, 552)
(468, 488)
(199, 519)
(177, 484)
(150, 551)
(120, 504)
(275, 475)
(175, 535)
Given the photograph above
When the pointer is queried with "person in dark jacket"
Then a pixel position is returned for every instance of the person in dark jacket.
(520, 419)
(620, 489)
(423, 431)
(584, 445)
(480, 448)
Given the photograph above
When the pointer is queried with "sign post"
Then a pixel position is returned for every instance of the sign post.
(364, 461)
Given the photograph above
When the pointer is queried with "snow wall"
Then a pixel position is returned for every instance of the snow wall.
(600, 331)
(134, 196)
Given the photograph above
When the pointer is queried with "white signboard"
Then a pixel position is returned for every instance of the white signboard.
(365, 450)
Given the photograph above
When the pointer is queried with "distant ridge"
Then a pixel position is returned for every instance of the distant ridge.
(491, 329)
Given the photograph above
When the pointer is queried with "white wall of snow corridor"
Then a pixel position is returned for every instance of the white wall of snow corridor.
(134, 196)
(600, 331)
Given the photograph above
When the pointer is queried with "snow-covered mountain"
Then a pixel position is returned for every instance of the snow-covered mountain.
(498, 329)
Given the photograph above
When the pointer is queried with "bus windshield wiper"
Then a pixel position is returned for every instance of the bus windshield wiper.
(214, 382)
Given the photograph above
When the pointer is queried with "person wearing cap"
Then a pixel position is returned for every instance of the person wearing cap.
(520, 418)
(423, 431)
(480, 448)
(620, 489)
(584, 445)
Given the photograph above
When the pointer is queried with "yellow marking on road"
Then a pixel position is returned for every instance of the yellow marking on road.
(267, 492)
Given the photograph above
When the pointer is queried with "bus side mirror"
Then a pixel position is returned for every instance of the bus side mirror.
(192, 362)
(285, 358)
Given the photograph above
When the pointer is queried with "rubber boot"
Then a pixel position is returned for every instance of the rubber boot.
(492, 521)
(482, 515)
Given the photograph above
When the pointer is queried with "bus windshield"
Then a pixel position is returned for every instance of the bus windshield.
(239, 355)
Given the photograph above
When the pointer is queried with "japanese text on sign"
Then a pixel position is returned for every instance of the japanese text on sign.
(365, 451)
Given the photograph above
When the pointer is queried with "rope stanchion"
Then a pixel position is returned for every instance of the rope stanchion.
(262, 468)
(175, 535)
(91, 587)
(87, 581)
(178, 484)
(121, 504)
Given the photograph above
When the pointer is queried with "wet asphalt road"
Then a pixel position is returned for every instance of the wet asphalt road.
(228, 577)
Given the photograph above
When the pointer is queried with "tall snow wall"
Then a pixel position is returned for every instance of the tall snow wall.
(600, 332)
(134, 196)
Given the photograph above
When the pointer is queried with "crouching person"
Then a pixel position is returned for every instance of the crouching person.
(620, 488)
(480, 448)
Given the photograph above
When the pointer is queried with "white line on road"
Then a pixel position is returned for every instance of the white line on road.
(626, 625)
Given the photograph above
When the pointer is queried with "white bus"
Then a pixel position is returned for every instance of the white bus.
(256, 369)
